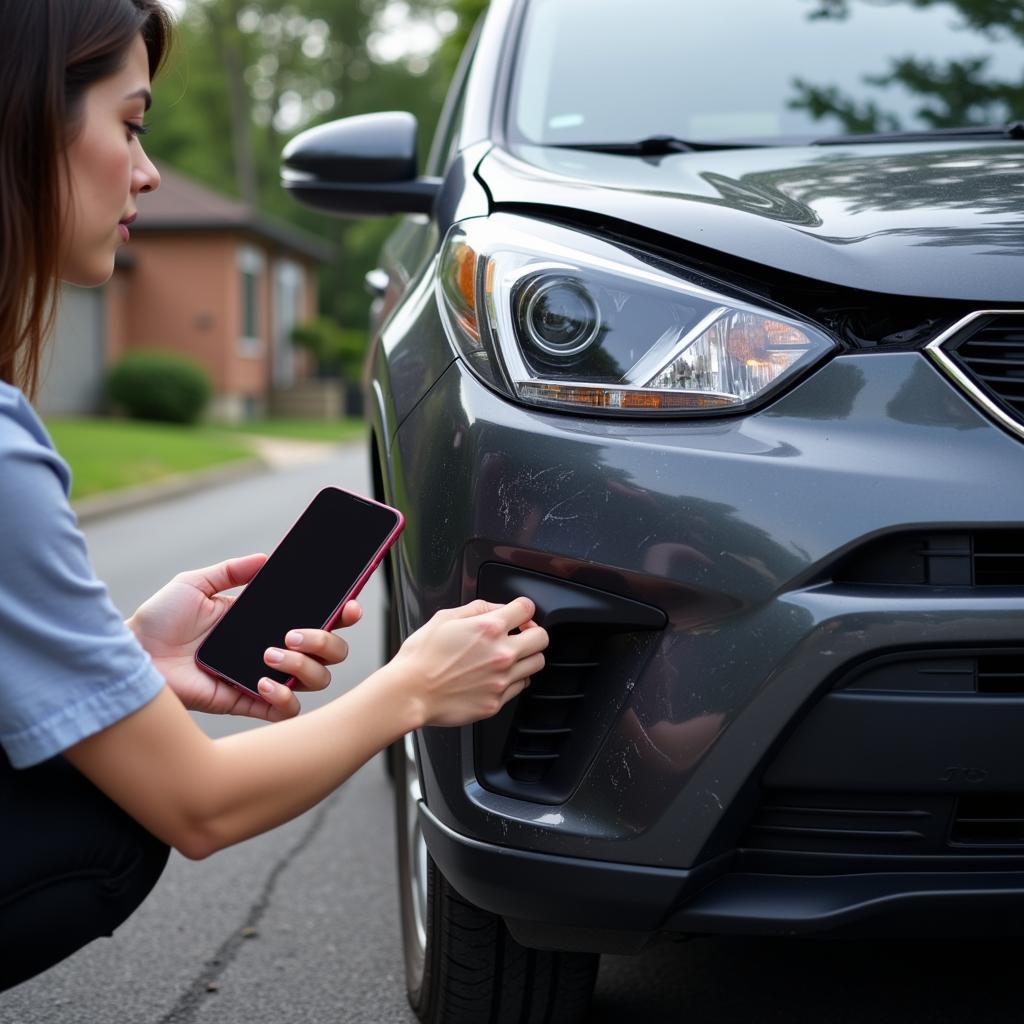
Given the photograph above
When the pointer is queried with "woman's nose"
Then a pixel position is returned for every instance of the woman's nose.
(145, 176)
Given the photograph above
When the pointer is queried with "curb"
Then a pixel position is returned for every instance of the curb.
(102, 505)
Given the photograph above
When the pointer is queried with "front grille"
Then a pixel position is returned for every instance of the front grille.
(985, 355)
(995, 819)
(979, 558)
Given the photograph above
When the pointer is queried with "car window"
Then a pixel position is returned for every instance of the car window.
(612, 71)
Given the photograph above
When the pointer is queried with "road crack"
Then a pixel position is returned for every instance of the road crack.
(206, 981)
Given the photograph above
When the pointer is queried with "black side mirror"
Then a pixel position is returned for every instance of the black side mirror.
(363, 166)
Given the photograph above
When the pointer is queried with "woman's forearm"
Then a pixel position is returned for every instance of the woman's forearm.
(200, 795)
(269, 775)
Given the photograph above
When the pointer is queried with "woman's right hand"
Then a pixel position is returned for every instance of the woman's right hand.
(463, 665)
(201, 795)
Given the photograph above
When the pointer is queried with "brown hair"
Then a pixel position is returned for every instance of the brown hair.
(51, 51)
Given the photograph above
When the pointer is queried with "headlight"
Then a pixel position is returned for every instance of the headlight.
(557, 318)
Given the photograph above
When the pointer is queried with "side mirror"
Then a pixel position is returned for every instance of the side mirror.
(363, 166)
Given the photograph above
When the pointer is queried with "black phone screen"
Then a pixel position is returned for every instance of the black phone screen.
(306, 578)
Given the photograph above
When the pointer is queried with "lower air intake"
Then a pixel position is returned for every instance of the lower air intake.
(995, 819)
(540, 744)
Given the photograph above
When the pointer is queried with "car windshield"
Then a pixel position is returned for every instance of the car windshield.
(765, 71)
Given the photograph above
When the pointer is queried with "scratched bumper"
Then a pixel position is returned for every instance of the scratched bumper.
(734, 529)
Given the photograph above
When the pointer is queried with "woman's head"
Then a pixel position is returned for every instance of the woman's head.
(74, 84)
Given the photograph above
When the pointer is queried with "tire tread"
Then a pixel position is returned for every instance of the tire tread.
(483, 976)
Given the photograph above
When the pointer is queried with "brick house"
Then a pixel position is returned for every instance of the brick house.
(203, 275)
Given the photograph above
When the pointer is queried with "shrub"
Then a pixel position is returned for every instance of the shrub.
(159, 386)
(336, 349)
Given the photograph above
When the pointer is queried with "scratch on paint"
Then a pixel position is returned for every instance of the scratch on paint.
(550, 514)
(563, 474)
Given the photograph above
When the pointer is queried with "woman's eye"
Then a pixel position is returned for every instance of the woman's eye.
(135, 130)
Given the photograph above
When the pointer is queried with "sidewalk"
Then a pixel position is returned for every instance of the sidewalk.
(269, 454)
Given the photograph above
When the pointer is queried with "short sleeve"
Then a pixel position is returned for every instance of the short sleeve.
(69, 667)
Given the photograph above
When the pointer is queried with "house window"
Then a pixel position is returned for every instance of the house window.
(289, 282)
(250, 271)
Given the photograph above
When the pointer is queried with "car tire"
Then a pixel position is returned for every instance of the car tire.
(462, 965)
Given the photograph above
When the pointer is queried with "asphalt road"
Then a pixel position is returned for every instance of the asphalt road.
(300, 925)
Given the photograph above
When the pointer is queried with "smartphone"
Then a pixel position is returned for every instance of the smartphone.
(322, 562)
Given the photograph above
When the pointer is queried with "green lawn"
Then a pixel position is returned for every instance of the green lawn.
(105, 454)
(349, 429)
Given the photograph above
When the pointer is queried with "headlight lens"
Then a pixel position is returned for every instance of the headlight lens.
(557, 318)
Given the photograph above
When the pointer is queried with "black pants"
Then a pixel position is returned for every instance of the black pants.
(73, 866)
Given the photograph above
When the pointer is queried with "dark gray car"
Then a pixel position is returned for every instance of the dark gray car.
(705, 329)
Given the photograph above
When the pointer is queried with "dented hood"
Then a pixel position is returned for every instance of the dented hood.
(924, 219)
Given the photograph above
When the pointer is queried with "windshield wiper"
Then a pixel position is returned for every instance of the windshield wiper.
(653, 145)
(1013, 130)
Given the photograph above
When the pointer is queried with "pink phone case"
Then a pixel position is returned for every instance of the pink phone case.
(335, 618)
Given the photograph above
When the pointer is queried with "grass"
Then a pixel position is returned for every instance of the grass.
(337, 431)
(107, 454)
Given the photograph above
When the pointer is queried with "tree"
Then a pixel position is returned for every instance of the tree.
(954, 92)
(468, 13)
(249, 74)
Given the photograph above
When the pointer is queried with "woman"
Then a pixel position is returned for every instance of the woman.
(104, 769)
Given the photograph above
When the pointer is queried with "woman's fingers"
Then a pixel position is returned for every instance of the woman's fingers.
(351, 614)
(233, 572)
(319, 644)
(283, 703)
(307, 652)
(465, 611)
(309, 673)
(515, 614)
(527, 667)
(530, 642)
(514, 690)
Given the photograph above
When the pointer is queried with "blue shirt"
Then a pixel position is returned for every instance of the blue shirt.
(69, 666)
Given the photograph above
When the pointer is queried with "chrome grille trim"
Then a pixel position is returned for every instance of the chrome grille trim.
(946, 363)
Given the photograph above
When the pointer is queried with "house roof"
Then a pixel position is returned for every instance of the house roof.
(181, 204)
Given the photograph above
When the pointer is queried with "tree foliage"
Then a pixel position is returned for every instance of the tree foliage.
(953, 92)
(468, 13)
(247, 75)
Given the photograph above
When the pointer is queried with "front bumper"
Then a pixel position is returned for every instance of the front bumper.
(733, 529)
(588, 905)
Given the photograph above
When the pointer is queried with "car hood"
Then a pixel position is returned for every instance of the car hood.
(923, 219)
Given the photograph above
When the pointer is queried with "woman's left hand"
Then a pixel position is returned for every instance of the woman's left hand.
(176, 619)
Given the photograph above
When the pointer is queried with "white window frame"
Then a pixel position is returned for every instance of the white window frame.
(251, 262)
(289, 283)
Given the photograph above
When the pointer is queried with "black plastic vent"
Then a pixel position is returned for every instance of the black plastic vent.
(1000, 672)
(550, 707)
(990, 351)
(995, 819)
(540, 744)
(983, 558)
(848, 823)
(998, 558)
